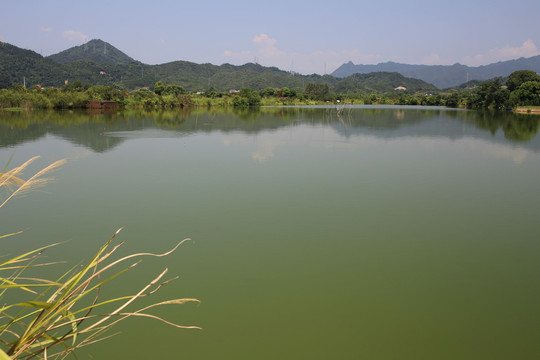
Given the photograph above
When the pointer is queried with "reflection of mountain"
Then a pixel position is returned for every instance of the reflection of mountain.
(89, 135)
(77, 128)
(101, 133)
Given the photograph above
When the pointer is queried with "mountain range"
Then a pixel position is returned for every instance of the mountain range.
(99, 63)
(444, 76)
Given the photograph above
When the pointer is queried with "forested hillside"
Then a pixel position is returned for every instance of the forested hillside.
(19, 65)
(99, 63)
(95, 50)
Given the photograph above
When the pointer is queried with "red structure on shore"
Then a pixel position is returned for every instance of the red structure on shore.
(99, 104)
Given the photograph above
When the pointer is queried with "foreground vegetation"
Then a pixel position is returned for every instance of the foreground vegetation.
(521, 89)
(55, 317)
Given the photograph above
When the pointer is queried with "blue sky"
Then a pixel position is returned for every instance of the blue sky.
(303, 36)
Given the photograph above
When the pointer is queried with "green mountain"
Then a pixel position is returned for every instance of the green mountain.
(444, 76)
(18, 66)
(95, 50)
(109, 66)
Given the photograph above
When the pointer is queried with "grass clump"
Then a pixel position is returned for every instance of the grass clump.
(56, 317)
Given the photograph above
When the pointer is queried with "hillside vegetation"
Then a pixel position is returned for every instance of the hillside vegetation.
(95, 50)
(100, 63)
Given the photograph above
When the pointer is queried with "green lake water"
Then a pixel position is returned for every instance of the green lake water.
(383, 233)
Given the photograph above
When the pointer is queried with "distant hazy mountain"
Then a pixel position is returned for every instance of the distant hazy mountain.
(444, 76)
(380, 82)
(95, 50)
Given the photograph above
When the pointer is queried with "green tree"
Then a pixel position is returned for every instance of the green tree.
(18, 88)
(99, 92)
(76, 86)
(173, 89)
(412, 101)
(317, 91)
(211, 92)
(528, 93)
(519, 77)
(268, 92)
(500, 98)
(432, 100)
(452, 100)
(488, 94)
(286, 92)
(159, 87)
(247, 97)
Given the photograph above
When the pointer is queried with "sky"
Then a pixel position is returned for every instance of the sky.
(302, 36)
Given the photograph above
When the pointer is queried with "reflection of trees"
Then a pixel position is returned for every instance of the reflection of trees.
(246, 114)
(516, 127)
(522, 128)
(94, 130)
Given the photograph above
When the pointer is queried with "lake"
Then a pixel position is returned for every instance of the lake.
(364, 233)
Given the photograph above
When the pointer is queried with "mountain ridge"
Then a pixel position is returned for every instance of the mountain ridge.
(444, 76)
(15, 65)
(99, 63)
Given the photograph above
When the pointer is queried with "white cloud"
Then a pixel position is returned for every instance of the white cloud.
(75, 36)
(46, 29)
(268, 54)
(527, 49)
(268, 50)
(264, 40)
(1, 38)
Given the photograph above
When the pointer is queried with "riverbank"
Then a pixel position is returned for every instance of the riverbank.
(533, 110)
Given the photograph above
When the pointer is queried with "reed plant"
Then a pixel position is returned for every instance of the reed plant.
(56, 317)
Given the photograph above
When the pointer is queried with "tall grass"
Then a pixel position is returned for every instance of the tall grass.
(56, 317)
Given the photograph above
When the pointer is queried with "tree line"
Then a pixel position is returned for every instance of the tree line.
(522, 88)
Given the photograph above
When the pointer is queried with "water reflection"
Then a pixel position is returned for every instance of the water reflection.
(101, 132)
(378, 226)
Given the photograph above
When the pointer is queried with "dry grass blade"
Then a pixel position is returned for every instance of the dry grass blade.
(11, 180)
(11, 177)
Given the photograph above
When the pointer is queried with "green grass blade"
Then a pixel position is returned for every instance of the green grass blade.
(4, 356)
